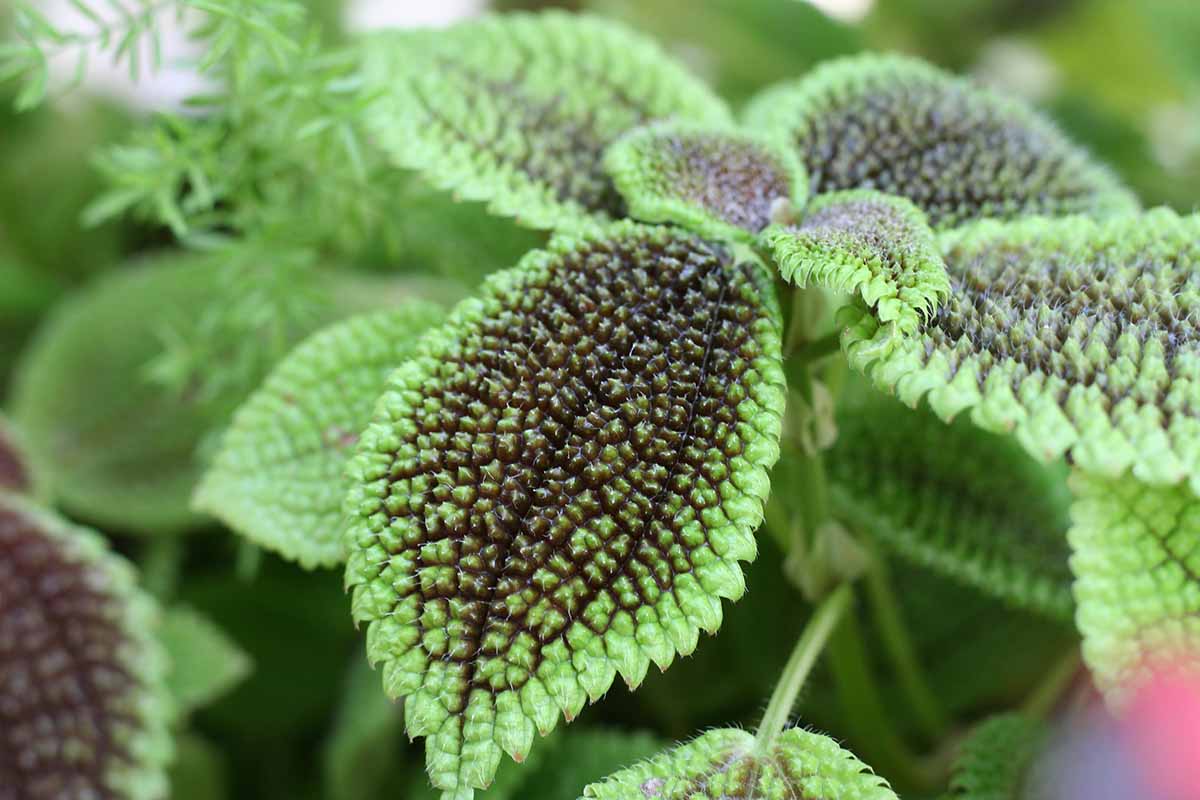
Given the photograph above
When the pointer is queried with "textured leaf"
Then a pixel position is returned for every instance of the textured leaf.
(204, 662)
(996, 758)
(1136, 559)
(862, 241)
(955, 499)
(725, 764)
(518, 109)
(959, 152)
(564, 764)
(1076, 336)
(83, 709)
(278, 477)
(560, 485)
(365, 741)
(718, 182)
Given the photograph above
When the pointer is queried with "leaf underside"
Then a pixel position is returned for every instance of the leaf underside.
(278, 478)
(560, 485)
(952, 498)
(83, 709)
(996, 758)
(958, 151)
(1136, 559)
(864, 242)
(725, 764)
(721, 183)
(1076, 336)
(518, 109)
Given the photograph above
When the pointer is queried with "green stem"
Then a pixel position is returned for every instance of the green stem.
(818, 349)
(161, 563)
(866, 719)
(1044, 697)
(893, 631)
(800, 663)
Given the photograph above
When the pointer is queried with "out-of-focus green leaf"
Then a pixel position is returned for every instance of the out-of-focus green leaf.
(995, 759)
(205, 662)
(199, 771)
(366, 741)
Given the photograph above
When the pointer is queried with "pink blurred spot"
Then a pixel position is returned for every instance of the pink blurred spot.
(1161, 724)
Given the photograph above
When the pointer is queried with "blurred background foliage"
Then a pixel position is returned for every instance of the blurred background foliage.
(1121, 77)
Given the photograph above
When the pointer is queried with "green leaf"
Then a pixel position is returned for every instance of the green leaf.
(198, 771)
(365, 741)
(17, 473)
(205, 662)
(518, 109)
(958, 151)
(954, 499)
(85, 709)
(278, 477)
(1136, 562)
(719, 182)
(560, 484)
(996, 758)
(1076, 336)
(725, 764)
(865, 242)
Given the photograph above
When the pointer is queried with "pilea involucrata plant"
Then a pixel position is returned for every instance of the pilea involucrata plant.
(899, 317)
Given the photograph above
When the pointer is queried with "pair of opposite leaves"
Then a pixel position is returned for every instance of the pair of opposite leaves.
(560, 479)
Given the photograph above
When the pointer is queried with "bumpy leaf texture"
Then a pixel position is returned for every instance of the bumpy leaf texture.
(560, 486)
(726, 764)
(722, 183)
(518, 109)
(1075, 335)
(864, 242)
(957, 151)
(1136, 559)
(952, 498)
(996, 758)
(278, 478)
(83, 710)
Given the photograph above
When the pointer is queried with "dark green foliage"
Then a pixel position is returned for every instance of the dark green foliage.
(957, 151)
(954, 499)
(540, 503)
(996, 759)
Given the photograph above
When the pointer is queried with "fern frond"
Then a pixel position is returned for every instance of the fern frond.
(518, 109)
(73, 616)
(1136, 559)
(560, 486)
(954, 499)
(278, 476)
(957, 151)
(727, 763)
(996, 758)
(867, 243)
(722, 183)
(1075, 336)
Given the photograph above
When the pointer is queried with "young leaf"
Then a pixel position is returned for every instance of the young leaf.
(560, 484)
(278, 477)
(725, 763)
(958, 151)
(1074, 335)
(83, 709)
(1135, 559)
(204, 662)
(954, 499)
(721, 183)
(518, 109)
(865, 242)
(996, 758)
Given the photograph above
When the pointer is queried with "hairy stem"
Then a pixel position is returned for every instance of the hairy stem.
(893, 631)
(800, 663)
